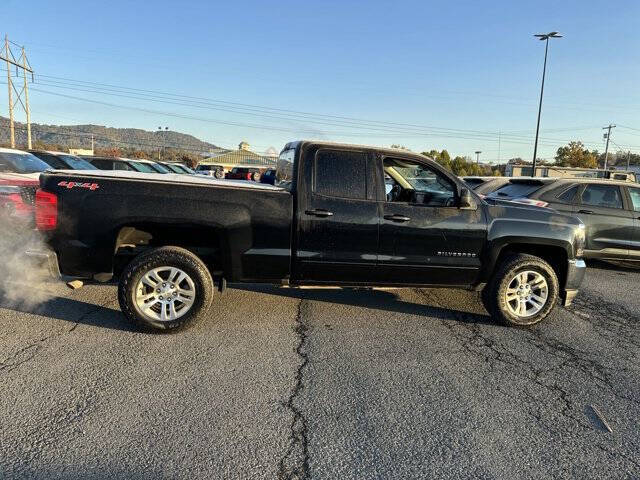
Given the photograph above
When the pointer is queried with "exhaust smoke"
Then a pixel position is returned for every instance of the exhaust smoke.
(25, 283)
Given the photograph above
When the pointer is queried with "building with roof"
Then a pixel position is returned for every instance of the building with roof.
(242, 157)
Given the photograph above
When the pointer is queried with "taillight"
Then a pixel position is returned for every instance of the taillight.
(46, 210)
(248, 176)
(529, 201)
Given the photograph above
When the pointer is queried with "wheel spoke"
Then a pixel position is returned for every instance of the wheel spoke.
(144, 298)
(172, 310)
(150, 304)
(151, 279)
(511, 297)
(522, 310)
(537, 305)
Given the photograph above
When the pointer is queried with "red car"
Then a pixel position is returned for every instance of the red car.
(19, 180)
(244, 173)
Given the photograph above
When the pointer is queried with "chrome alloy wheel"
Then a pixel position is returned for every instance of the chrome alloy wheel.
(527, 294)
(165, 294)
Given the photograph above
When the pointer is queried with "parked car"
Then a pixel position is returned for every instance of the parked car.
(62, 161)
(475, 181)
(609, 209)
(174, 167)
(244, 173)
(126, 164)
(327, 221)
(216, 171)
(490, 186)
(19, 180)
(520, 190)
(269, 176)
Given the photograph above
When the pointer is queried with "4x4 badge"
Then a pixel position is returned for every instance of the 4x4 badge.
(90, 186)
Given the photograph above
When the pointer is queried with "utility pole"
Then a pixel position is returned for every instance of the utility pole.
(21, 63)
(543, 37)
(478, 152)
(499, 145)
(26, 98)
(628, 159)
(9, 87)
(606, 148)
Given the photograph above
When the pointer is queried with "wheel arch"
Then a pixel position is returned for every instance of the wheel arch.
(555, 253)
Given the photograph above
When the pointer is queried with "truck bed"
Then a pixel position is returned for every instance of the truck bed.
(240, 227)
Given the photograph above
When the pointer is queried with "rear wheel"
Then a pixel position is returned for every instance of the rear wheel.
(219, 174)
(165, 288)
(523, 292)
(255, 177)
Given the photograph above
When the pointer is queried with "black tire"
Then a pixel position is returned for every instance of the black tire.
(494, 296)
(169, 257)
(219, 174)
(256, 177)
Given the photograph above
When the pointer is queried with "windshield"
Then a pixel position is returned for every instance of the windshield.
(515, 190)
(173, 168)
(21, 163)
(142, 167)
(284, 169)
(77, 163)
(159, 168)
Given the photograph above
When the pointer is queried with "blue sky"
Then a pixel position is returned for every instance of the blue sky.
(435, 74)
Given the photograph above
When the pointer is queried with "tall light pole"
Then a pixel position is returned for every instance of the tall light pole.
(543, 37)
(478, 152)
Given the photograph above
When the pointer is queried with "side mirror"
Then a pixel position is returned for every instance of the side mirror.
(467, 202)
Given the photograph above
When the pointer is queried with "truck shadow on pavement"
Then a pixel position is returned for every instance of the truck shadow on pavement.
(73, 311)
(385, 300)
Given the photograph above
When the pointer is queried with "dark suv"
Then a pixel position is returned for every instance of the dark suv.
(610, 210)
(62, 161)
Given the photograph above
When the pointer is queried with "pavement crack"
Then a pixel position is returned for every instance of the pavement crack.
(295, 463)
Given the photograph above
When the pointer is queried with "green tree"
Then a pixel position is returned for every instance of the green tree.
(576, 155)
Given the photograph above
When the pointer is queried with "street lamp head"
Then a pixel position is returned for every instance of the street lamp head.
(547, 36)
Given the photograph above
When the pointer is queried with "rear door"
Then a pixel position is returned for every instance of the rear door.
(610, 227)
(634, 246)
(337, 217)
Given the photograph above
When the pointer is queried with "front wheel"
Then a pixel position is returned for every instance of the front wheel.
(523, 292)
(165, 288)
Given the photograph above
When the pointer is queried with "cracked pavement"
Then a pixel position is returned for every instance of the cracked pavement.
(323, 384)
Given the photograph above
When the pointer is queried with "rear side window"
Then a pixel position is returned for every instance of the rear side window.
(340, 174)
(607, 196)
(516, 190)
(568, 195)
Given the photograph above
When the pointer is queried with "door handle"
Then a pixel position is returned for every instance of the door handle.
(319, 212)
(397, 218)
(585, 211)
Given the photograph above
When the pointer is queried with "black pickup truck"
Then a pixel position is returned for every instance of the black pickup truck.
(338, 215)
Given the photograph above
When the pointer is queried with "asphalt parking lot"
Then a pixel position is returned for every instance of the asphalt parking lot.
(323, 384)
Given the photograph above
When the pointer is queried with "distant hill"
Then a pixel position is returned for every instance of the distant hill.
(79, 136)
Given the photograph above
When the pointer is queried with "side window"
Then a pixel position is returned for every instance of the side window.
(412, 182)
(607, 196)
(635, 198)
(340, 174)
(568, 195)
(102, 164)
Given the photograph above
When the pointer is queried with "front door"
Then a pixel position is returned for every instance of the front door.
(338, 217)
(425, 238)
(609, 226)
